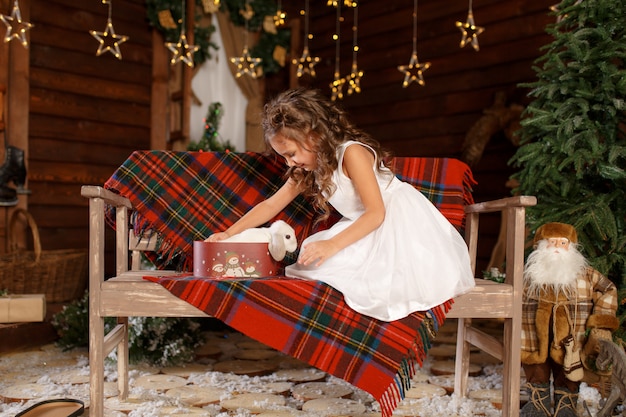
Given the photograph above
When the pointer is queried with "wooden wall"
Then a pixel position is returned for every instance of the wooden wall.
(84, 113)
(433, 120)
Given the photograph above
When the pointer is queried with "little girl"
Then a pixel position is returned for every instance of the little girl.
(393, 252)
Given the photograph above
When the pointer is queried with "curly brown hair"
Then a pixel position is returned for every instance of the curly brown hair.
(309, 118)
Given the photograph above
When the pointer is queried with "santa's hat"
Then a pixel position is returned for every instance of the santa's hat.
(555, 229)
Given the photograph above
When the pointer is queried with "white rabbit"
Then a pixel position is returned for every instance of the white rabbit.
(281, 238)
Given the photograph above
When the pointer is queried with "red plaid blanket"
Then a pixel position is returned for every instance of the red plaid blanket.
(309, 320)
(185, 196)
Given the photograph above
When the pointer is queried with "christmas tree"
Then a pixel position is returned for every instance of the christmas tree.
(210, 139)
(573, 152)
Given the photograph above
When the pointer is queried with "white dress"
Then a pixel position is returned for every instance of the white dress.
(414, 261)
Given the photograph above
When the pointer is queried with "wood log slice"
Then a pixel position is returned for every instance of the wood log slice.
(300, 375)
(182, 412)
(159, 382)
(253, 402)
(244, 367)
(334, 407)
(447, 368)
(70, 376)
(210, 349)
(256, 354)
(444, 381)
(312, 390)
(425, 390)
(197, 396)
(492, 395)
(125, 406)
(442, 351)
(27, 391)
(278, 387)
(185, 371)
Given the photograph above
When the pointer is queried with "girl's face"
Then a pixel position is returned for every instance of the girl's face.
(294, 153)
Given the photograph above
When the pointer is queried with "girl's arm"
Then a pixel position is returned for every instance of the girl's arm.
(261, 213)
(357, 165)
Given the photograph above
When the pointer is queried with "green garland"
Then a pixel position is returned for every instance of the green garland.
(268, 42)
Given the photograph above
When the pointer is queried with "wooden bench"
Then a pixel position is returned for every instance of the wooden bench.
(128, 294)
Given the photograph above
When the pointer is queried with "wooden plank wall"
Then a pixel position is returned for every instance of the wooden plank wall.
(433, 120)
(87, 112)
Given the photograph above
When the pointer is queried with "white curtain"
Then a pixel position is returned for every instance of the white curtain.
(213, 82)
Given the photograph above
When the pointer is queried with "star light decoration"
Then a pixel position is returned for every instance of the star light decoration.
(280, 16)
(181, 50)
(109, 40)
(414, 70)
(16, 27)
(469, 30)
(336, 86)
(306, 63)
(354, 79)
(247, 65)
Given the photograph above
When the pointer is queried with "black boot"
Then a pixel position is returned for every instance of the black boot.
(565, 402)
(539, 402)
(8, 196)
(13, 168)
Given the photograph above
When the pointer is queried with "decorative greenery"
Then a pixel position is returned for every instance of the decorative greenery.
(210, 140)
(573, 136)
(494, 274)
(268, 40)
(201, 34)
(271, 40)
(156, 340)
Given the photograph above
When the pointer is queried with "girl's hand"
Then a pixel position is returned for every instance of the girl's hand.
(318, 251)
(216, 237)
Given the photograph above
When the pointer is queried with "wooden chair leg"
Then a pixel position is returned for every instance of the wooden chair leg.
(96, 365)
(122, 359)
(462, 360)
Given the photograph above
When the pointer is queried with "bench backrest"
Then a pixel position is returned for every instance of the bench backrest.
(186, 196)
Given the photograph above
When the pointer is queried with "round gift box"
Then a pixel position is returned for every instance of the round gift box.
(233, 259)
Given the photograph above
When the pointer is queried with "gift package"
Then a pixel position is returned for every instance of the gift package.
(233, 259)
(19, 308)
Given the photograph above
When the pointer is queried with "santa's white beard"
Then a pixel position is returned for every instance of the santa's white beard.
(553, 269)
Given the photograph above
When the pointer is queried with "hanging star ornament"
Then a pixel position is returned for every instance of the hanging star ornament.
(16, 27)
(354, 80)
(109, 40)
(336, 87)
(413, 71)
(306, 63)
(246, 65)
(470, 31)
(182, 51)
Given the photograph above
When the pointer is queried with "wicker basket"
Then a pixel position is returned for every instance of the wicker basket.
(59, 274)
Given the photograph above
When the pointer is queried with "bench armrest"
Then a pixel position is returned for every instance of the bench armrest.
(110, 198)
(502, 204)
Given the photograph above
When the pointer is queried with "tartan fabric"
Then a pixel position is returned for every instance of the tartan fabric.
(309, 320)
(186, 196)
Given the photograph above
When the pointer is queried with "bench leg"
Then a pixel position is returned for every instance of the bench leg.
(462, 360)
(96, 365)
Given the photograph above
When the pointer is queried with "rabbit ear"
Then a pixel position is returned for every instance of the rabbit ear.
(277, 248)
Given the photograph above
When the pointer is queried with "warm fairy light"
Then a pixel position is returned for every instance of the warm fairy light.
(413, 71)
(306, 63)
(469, 30)
(354, 79)
(246, 64)
(109, 40)
(16, 27)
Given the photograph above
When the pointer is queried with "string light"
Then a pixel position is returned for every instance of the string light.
(414, 70)
(354, 79)
(182, 50)
(280, 16)
(469, 30)
(337, 85)
(306, 62)
(246, 65)
(109, 40)
(16, 27)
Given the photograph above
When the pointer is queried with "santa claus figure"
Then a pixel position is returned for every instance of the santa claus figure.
(564, 300)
